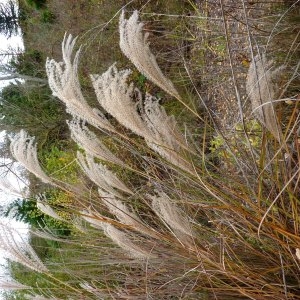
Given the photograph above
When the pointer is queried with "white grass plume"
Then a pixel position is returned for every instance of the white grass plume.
(47, 209)
(24, 150)
(116, 97)
(172, 216)
(17, 249)
(101, 176)
(151, 122)
(117, 236)
(262, 90)
(298, 253)
(163, 127)
(93, 290)
(64, 83)
(124, 242)
(88, 140)
(166, 138)
(46, 235)
(39, 297)
(12, 285)
(124, 215)
(8, 187)
(135, 46)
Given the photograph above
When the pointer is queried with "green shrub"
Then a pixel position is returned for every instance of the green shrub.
(47, 16)
(26, 210)
(29, 63)
(33, 108)
(60, 163)
(37, 4)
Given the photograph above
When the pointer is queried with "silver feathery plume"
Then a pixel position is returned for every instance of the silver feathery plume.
(116, 97)
(262, 90)
(124, 241)
(166, 139)
(91, 144)
(151, 121)
(45, 208)
(64, 83)
(7, 186)
(24, 150)
(17, 249)
(134, 44)
(119, 237)
(124, 215)
(101, 176)
(12, 285)
(172, 216)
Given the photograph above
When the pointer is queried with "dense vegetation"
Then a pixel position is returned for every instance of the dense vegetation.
(128, 203)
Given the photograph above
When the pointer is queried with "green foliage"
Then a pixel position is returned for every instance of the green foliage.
(47, 16)
(26, 210)
(60, 162)
(30, 62)
(139, 79)
(31, 108)
(240, 141)
(37, 4)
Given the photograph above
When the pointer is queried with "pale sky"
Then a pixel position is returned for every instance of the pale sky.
(14, 42)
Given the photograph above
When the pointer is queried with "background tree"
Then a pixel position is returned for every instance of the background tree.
(26, 210)
(9, 17)
(33, 108)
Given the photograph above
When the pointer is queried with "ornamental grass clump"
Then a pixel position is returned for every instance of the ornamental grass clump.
(180, 225)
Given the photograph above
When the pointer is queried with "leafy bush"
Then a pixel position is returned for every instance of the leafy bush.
(47, 16)
(60, 163)
(32, 108)
(37, 4)
(26, 210)
(29, 63)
